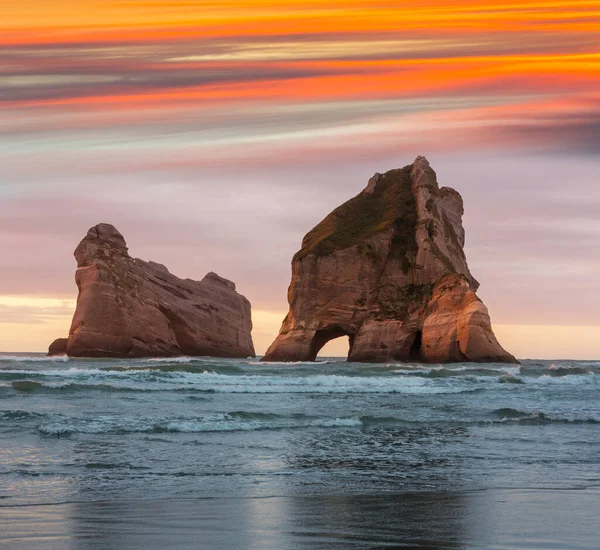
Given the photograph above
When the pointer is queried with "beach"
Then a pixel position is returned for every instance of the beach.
(495, 519)
(213, 453)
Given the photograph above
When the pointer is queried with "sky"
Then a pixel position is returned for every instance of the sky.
(214, 135)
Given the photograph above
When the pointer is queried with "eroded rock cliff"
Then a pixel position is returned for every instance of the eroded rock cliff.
(131, 308)
(58, 347)
(387, 269)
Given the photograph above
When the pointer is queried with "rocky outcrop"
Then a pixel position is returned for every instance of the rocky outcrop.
(58, 347)
(131, 308)
(387, 269)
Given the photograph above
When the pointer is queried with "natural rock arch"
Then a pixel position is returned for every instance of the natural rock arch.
(324, 336)
(387, 268)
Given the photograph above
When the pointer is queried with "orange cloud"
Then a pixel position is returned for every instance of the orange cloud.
(140, 86)
(96, 20)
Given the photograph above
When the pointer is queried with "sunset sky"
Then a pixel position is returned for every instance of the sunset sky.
(214, 135)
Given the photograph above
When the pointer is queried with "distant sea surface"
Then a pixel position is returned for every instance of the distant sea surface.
(213, 453)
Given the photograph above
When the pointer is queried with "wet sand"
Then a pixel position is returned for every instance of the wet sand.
(490, 519)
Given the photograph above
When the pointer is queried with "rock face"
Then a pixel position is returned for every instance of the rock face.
(387, 269)
(58, 347)
(131, 308)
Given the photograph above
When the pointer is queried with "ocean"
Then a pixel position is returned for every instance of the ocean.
(214, 453)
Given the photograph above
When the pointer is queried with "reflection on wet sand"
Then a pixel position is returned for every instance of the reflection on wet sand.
(422, 520)
(419, 520)
(492, 519)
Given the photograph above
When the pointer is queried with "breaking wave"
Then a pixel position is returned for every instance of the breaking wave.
(172, 359)
(19, 415)
(223, 377)
(211, 382)
(509, 414)
(217, 422)
(33, 359)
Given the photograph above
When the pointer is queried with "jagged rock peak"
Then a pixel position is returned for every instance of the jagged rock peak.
(107, 233)
(387, 269)
(128, 307)
(220, 280)
(100, 241)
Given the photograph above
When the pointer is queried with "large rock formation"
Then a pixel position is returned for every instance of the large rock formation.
(387, 269)
(131, 308)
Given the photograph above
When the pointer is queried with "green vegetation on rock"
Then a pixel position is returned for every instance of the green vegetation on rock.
(390, 205)
(398, 302)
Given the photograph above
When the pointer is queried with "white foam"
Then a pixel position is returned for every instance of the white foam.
(335, 422)
(412, 371)
(515, 371)
(34, 359)
(286, 363)
(217, 422)
(174, 359)
(569, 379)
(550, 417)
(75, 372)
(211, 381)
(210, 423)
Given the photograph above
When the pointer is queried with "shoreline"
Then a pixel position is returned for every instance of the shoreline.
(508, 519)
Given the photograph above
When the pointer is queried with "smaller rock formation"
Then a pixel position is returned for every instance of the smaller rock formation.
(58, 347)
(388, 270)
(127, 307)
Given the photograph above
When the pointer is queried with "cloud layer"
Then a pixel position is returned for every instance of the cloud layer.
(214, 135)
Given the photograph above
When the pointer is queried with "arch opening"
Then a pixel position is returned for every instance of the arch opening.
(416, 353)
(322, 337)
(336, 348)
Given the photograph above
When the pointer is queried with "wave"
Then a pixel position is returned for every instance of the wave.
(509, 414)
(542, 379)
(192, 426)
(77, 371)
(176, 367)
(30, 386)
(63, 373)
(226, 377)
(510, 379)
(567, 371)
(531, 370)
(257, 421)
(211, 382)
(289, 363)
(19, 415)
(568, 379)
(217, 422)
(463, 372)
(33, 359)
(125, 372)
(557, 370)
(185, 359)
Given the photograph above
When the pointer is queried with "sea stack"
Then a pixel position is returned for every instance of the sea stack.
(127, 307)
(388, 270)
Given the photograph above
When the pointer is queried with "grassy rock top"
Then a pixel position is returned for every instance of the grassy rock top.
(387, 202)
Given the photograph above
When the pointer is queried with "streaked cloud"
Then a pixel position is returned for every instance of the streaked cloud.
(215, 134)
(551, 342)
(30, 323)
(34, 309)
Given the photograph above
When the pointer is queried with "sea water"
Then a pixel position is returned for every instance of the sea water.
(397, 443)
